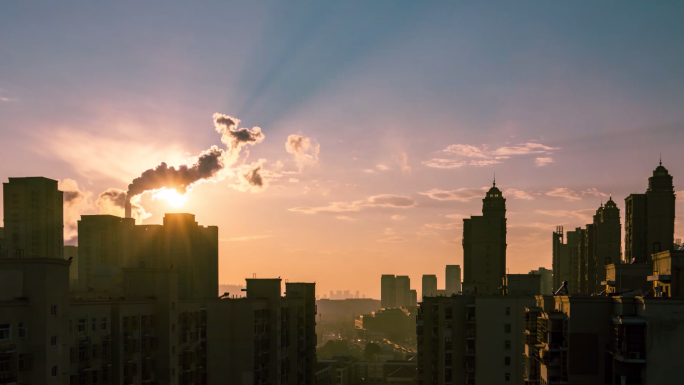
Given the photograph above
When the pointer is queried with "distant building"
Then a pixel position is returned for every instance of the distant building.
(523, 284)
(649, 218)
(546, 279)
(484, 245)
(388, 291)
(33, 218)
(429, 288)
(403, 290)
(413, 298)
(390, 323)
(466, 339)
(346, 309)
(452, 279)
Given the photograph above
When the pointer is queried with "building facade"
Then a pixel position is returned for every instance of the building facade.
(465, 339)
(388, 291)
(33, 218)
(429, 288)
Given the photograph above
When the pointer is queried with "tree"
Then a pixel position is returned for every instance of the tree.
(371, 351)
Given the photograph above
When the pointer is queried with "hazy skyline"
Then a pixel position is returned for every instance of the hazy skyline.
(408, 109)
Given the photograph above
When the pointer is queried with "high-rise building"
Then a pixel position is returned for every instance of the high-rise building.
(388, 292)
(484, 245)
(429, 288)
(33, 215)
(104, 242)
(607, 247)
(557, 243)
(649, 218)
(403, 290)
(452, 279)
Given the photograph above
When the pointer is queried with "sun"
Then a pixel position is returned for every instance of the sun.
(171, 196)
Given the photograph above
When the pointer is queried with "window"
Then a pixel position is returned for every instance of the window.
(53, 312)
(507, 377)
(125, 322)
(173, 371)
(507, 344)
(173, 306)
(23, 331)
(173, 350)
(5, 332)
(507, 328)
(105, 351)
(82, 325)
(93, 324)
(103, 325)
(173, 327)
(94, 352)
(507, 361)
(54, 371)
(508, 311)
(53, 341)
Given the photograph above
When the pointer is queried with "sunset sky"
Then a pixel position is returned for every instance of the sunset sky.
(404, 111)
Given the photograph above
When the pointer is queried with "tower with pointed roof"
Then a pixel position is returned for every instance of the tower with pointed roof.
(649, 218)
(484, 245)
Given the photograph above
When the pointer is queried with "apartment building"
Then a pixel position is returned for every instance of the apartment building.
(465, 339)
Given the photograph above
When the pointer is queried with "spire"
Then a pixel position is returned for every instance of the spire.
(661, 158)
(494, 185)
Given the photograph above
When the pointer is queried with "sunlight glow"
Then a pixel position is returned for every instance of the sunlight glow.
(171, 196)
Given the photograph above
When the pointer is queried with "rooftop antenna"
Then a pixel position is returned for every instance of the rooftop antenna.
(494, 180)
(661, 158)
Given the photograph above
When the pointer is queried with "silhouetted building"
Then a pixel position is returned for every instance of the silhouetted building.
(607, 245)
(649, 218)
(452, 279)
(33, 218)
(388, 291)
(484, 245)
(413, 298)
(523, 284)
(603, 340)
(346, 309)
(71, 254)
(429, 285)
(109, 243)
(557, 243)
(403, 290)
(390, 323)
(465, 339)
(546, 285)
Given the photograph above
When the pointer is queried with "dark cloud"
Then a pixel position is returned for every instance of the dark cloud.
(208, 164)
(236, 138)
(305, 150)
(254, 178)
(73, 196)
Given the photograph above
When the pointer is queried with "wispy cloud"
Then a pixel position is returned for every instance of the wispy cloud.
(517, 194)
(443, 163)
(482, 156)
(246, 238)
(461, 195)
(563, 192)
(401, 158)
(541, 162)
(444, 226)
(584, 214)
(346, 218)
(386, 200)
(398, 217)
(382, 167)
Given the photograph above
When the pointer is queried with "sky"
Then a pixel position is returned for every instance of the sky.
(382, 123)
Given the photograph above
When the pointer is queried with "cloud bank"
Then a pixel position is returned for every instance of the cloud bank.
(386, 200)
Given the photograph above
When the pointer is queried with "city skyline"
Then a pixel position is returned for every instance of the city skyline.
(387, 191)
